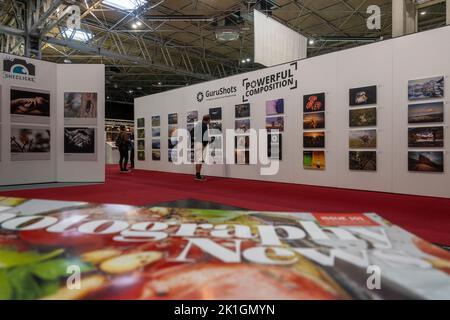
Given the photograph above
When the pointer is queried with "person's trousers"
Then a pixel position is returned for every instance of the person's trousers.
(132, 158)
(123, 162)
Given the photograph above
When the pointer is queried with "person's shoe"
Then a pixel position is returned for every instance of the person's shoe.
(200, 178)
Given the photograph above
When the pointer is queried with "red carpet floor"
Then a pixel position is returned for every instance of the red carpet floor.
(424, 216)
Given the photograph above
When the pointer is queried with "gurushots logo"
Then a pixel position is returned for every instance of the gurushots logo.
(200, 96)
(18, 69)
(278, 80)
(220, 93)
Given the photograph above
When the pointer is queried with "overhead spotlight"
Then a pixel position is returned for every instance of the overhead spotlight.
(311, 42)
(67, 60)
(108, 97)
(115, 86)
(159, 83)
(248, 60)
(130, 91)
(139, 88)
(134, 26)
(423, 13)
(138, 23)
(243, 61)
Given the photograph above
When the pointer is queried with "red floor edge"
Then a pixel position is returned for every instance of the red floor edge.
(426, 217)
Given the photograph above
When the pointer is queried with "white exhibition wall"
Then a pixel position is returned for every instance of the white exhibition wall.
(56, 80)
(388, 64)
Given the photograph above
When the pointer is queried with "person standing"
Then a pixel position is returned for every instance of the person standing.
(200, 139)
(132, 150)
(123, 144)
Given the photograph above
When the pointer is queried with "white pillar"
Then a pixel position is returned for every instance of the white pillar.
(404, 17)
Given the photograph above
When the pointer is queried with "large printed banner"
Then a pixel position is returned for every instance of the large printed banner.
(68, 250)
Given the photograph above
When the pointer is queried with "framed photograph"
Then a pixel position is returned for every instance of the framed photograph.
(275, 123)
(426, 137)
(156, 155)
(314, 120)
(156, 121)
(172, 131)
(242, 110)
(156, 144)
(314, 160)
(80, 108)
(363, 96)
(30, 106)
(173, 118)
(363, 160)
(427, 88)
(242, 142)
(428, 161)
(314, 102)
(141, 155)
(141, 145)
(274, 107)
(314, 139)
(30, 143)
(426, 112)
(140, 122)
(215, 113)
(156, 132)
(215, 127)
(141, 133)
(192, 117)
(242, 125)
(79, 144)
(242, 157)
(275, 146)
(362, 139)
(366, 117)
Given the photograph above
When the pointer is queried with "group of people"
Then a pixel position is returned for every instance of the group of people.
(125, 145)
(199, 141)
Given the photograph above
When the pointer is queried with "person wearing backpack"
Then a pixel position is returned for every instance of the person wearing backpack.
(199, 140)
(123, 144)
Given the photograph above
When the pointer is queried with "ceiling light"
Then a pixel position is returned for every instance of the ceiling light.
(311, 41)
(127, 5)
(243, 61)
(248, 59)
(227, 33)
(139, 23)
(423, 13)
(139, 88)
(159, 83)
(67, 60)
(134, 26)
(130, 91)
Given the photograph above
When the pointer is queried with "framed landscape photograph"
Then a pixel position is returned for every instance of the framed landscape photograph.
(314, 160)
(274, 107)
(215, 127)
(314, 139)
(141, 133)
(362, 139)
(275, 123)
(366, 117)
(173, 118)
(242, 110)
(426, 112)
(156, 121)
(156, 144)
(363, 96)
(314, 102)
(427, 88)
(156, 155)
(140, 122)
(156, 132)
(427, 161)
(141, 145)
(314, 120)
(363, 160)
(141, 155)
(426, 137)
(242, 125)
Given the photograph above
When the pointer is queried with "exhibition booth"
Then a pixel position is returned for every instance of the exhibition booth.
(51, 122)
(367, 118)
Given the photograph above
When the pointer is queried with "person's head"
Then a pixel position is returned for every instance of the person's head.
(122, 128)
(206, 118)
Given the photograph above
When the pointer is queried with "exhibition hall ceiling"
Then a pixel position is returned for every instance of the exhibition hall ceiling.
(166, 44)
